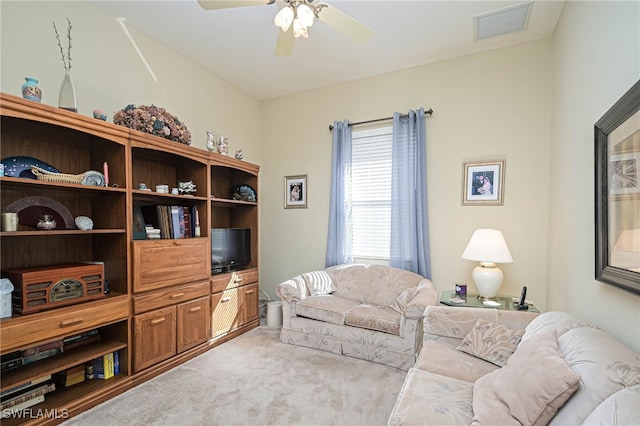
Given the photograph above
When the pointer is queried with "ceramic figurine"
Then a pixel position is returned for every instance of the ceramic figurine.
(239, 154)
(223, 145)
(46, 222)
(211, 142)
(100, 114)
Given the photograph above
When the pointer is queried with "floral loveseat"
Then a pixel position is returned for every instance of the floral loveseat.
(371, 312)
(486, 367)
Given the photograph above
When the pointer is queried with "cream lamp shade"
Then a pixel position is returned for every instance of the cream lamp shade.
(488, 247)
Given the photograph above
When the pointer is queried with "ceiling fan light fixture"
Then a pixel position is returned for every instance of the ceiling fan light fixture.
(284, 18)
(305, 15)
(299, 30)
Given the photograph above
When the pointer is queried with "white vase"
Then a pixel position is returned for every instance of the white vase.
(67, 97)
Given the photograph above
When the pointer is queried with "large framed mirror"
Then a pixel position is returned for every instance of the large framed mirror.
(617, 193)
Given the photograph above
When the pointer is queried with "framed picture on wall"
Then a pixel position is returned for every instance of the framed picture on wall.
(617, 193)
(295, 192)
(483, 183)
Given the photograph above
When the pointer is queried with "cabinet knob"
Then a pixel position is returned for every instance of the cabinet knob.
(195, 309)
(158, 321)
(225, 299)
(250, 291)
(176, 296)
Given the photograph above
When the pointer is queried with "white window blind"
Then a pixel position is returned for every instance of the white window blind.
(371, 192)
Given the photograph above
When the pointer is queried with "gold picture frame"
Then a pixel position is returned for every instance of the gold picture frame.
(483, 183)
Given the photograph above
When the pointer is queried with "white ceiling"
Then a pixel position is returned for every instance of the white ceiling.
(238, 44)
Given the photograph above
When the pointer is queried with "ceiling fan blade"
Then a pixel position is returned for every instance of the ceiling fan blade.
(345, 24)
(284, 47)
(226, 4)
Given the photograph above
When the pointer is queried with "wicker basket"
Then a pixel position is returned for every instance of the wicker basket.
(45, 175)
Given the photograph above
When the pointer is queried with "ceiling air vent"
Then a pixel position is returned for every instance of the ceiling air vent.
(502, 21)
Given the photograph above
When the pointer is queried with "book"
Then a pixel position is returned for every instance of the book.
(6, 393)
(116, 363)
(175, 222)
(37, 349)
(9, 365)
(41, 355)
(103, 366)
(7, 412)
(188, 232)
(40, 390)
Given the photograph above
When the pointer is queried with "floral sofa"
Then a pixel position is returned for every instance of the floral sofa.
(371, 312)
(486, 367)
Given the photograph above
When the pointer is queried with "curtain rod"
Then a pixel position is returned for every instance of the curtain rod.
(428, 112)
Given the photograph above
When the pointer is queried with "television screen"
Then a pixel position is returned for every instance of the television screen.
(230, 247)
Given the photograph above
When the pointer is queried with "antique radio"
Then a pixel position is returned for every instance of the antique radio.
(39, 289)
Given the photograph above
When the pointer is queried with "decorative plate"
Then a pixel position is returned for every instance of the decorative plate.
(21, 166)
(243, 193)
(93, 178)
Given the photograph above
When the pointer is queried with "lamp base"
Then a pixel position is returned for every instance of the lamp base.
(488, 279)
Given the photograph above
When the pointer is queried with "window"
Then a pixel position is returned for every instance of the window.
(371, 192)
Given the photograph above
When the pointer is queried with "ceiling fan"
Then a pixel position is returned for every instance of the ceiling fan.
(297, 16)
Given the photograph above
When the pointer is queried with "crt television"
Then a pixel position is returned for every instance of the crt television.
(230, 249)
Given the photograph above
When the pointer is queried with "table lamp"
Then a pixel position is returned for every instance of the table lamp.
(488, 247)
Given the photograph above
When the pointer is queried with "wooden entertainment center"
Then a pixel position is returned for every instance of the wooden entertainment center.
(163, 306)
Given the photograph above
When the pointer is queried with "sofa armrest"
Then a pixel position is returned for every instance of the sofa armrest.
(426, 296)
(292, 290)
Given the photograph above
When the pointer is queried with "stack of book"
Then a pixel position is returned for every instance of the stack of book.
(70, 377)
(17, 359)
(25, 395)
(152, 233)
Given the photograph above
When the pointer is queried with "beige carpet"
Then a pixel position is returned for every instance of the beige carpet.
(257, 380)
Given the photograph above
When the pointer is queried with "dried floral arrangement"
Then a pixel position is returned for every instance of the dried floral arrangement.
(66, 59)
(153, 120)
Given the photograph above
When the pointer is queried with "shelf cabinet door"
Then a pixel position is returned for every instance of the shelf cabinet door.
(193, 323)
(225, 312)
(154, 337)
(248, 303)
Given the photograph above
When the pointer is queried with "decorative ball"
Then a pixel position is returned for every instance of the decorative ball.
(100, 114)
(84, 223)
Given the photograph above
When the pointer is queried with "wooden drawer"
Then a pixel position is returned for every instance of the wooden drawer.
(223, 282)
(158, 264)
(160, 298)
(20, 332)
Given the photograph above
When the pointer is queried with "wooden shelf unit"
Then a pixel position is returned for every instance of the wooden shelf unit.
(184, 291)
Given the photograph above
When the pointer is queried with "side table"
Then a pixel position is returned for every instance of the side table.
(472, 301)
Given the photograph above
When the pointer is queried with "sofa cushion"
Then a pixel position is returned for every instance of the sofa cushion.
(554, 320)
(530, 389)
(491, 342)
(440, 356)
(327, 308)
(431, 399)
(373, 284)
(605, 367)
(374, 317)
(318, 283)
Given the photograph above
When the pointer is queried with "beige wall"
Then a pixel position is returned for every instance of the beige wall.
(488, 106)
(595, 63)
(109, 74)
